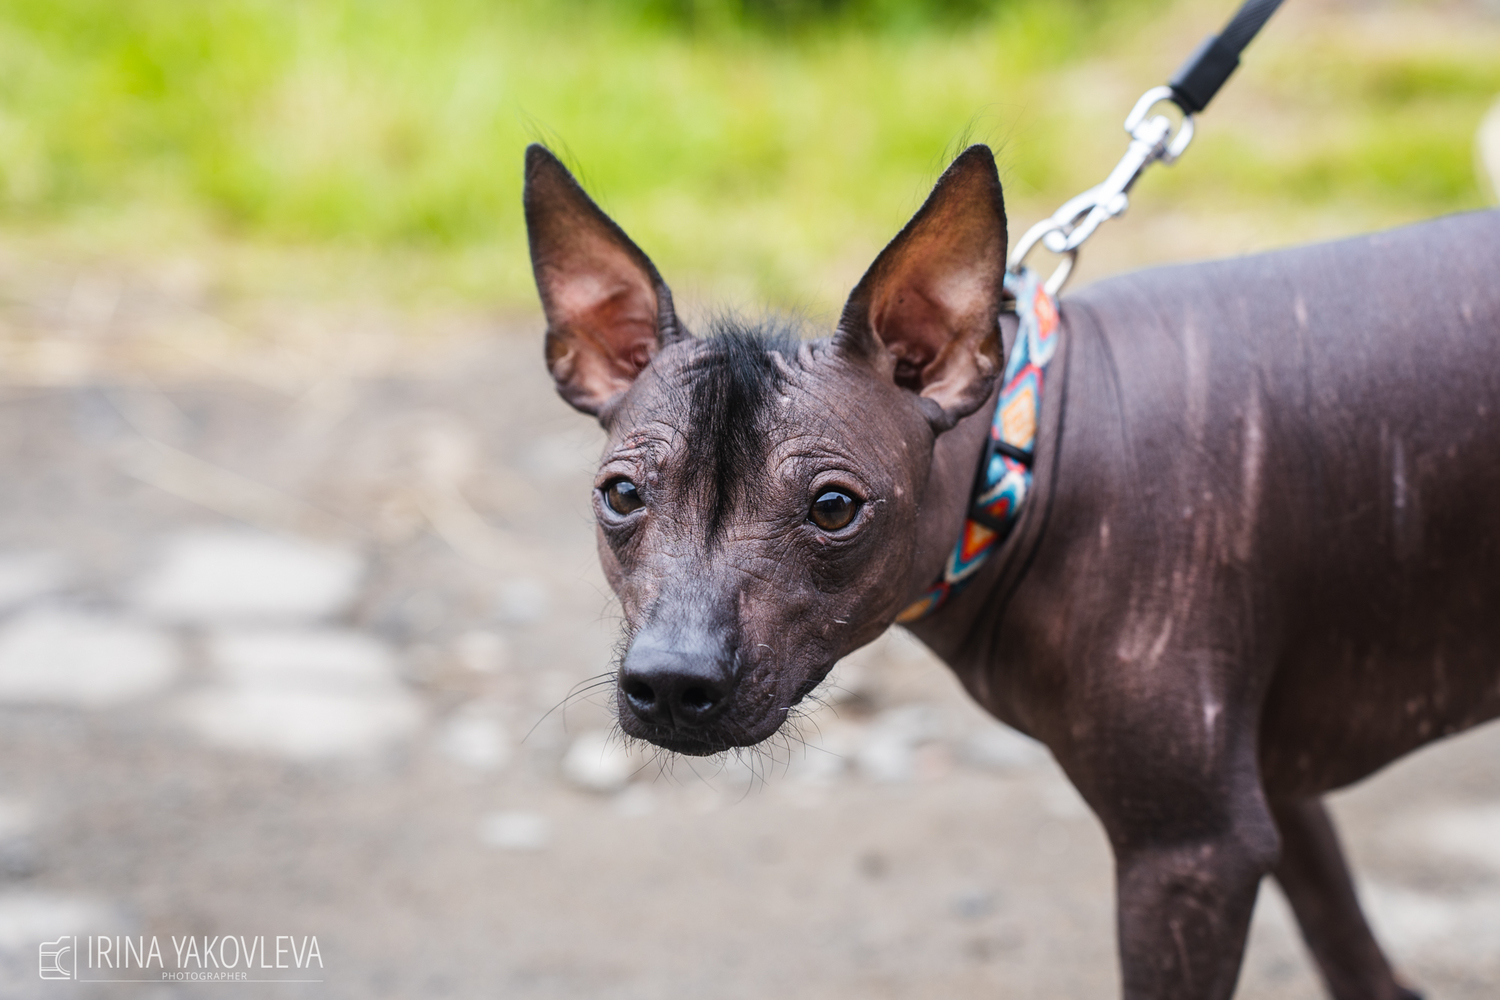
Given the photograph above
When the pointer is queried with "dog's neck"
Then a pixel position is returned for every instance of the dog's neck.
(945, 507)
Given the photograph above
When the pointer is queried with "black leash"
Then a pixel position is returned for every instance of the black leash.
(1200, 78)
(1151, 140)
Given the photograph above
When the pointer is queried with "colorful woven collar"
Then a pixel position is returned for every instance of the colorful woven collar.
(1004, 477)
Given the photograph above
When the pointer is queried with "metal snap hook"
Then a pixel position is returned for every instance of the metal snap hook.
(1151, 140)
(1149, 100)
(1037, 234)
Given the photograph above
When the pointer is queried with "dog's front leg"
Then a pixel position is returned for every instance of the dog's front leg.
(1169, 764)
(1184, 911)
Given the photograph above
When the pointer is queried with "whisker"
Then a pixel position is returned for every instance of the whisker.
(587, 685)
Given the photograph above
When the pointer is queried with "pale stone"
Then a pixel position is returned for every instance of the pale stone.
(934, 762)
(482, 651)
(635, 801)
(888, 751)
(16, 818)
(307, 694)
(55, 656)
(598, 762)
(515, 831)
(1000, 748)
(476, 741)
(1471, 833)
(887, 759)
(29, 918)
(303, 725)
(314, 660)
(235, 576)
(521, 601)
(1459, 927)
(818, 767)
(25, 576)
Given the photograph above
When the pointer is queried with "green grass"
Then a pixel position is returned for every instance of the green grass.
(751, 150)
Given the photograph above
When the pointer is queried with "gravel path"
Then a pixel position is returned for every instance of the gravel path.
(282, 616)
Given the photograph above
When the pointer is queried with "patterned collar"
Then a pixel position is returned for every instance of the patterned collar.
(1004, 477)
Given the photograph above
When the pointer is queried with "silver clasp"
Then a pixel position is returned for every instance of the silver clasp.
(1151, 139)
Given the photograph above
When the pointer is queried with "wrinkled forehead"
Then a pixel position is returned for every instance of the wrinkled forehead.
(715, 414)
(716, 389)
(715, 406)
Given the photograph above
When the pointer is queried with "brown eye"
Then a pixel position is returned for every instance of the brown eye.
(833, 510)
(622, 497)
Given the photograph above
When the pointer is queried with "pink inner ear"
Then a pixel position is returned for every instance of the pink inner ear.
(920, 321)
(616, 316)
(602, 312)
(929, 299)
(602, 296)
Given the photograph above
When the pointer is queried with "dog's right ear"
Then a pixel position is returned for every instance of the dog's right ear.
(608, 311)
(925, 312)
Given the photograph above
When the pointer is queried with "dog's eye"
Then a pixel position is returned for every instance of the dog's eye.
(622, 496)
(833, 510)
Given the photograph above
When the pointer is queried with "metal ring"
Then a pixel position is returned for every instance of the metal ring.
(1149, 100)
(1060, 276)
(1029, 241)
(1180, 141)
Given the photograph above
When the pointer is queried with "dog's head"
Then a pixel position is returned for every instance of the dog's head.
(759, 495)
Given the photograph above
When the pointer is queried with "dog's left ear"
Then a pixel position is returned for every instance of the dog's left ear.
(608, 311)
(925, 312)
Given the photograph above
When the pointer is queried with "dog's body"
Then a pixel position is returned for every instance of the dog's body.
(1262, 560)
(1255, 564)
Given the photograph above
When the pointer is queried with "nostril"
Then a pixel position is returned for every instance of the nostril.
(640, 693)
(697, 699)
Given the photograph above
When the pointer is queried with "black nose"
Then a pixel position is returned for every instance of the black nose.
(681, 684)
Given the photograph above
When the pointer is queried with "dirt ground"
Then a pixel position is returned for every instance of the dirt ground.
(286, 596)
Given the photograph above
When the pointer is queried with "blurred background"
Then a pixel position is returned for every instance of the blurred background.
(296, 563)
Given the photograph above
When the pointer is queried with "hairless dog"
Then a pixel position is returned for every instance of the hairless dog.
(1258, 561)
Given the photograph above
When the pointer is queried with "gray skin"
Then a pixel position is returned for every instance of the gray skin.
(1257, 564)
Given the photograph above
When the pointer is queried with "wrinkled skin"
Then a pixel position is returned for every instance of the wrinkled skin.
(1259, 560)
(781, 598)
(736, 603)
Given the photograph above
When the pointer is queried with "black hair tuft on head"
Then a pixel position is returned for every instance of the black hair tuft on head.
(733, 382)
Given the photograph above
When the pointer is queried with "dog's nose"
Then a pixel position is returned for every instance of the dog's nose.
(682, 685)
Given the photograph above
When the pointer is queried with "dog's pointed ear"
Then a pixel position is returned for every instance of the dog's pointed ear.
(608, 311)
(925, 312)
